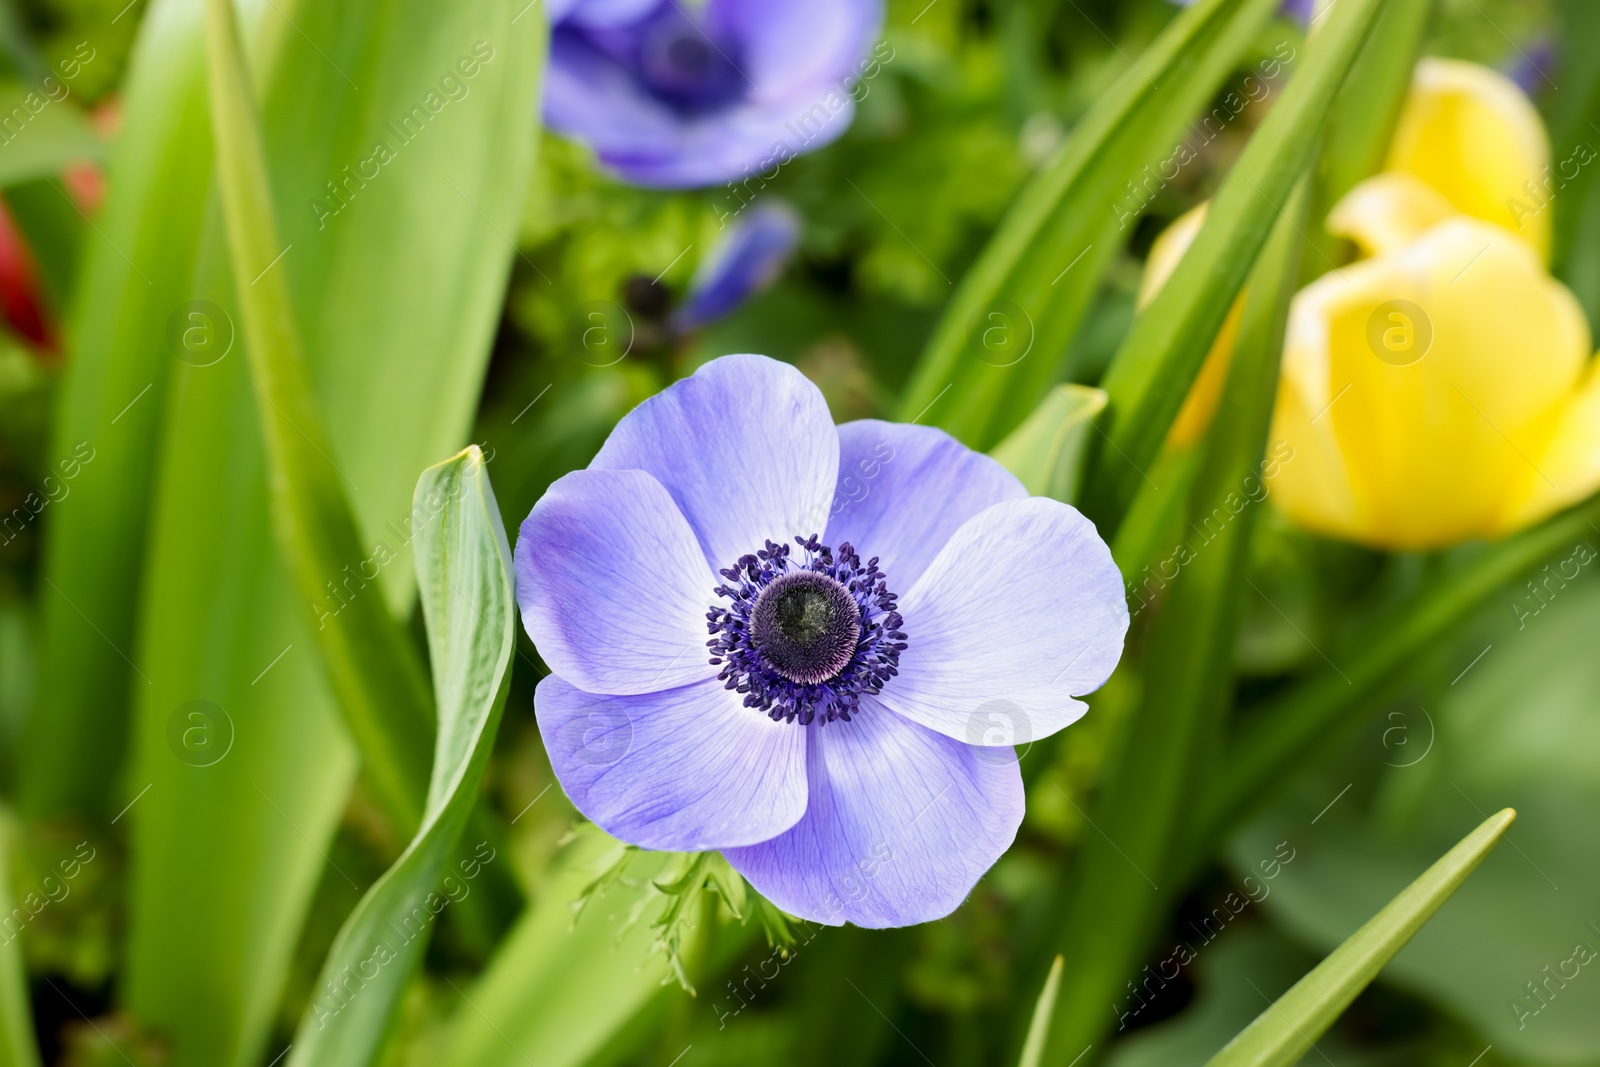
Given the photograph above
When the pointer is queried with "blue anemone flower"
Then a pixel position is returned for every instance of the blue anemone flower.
(748, 259)
(676, 94)
(810, 647)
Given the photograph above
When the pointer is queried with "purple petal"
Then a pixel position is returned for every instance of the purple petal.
(748, 259)
(901, 824)
(904, 490)
(800, 49)
(602, 13)
(1022, 611)
(791, 70)
(746, 447)
(613, 587)
(685, 770)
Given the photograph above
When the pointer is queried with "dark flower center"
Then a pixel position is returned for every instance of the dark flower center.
(806, 626)
(679, 60)
(805, 639)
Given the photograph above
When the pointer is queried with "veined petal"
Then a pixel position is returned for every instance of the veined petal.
(1021, 611)
(746, 448)
(901, 824)
(684, 770)
(1388, 211)
(904, 490)
(613, 587)
(1470, 133)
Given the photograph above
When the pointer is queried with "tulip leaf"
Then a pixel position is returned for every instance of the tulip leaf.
(1143, 811)
(138, 269)
(1049, 451)
(1289, 1028)
(1162, 354)
(464, 577)
(1039, 1028)
(396, 298)
(998, 346)
(17, 1047)
(1274, 740)
(371, 665)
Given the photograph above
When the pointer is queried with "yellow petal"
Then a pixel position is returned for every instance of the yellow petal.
(1388, 211)
(1417, 385)
(1568, 468)
(1471, 134)
(1201, 403)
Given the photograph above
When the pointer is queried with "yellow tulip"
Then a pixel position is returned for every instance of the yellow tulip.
(1439, 390)
(1473, 136)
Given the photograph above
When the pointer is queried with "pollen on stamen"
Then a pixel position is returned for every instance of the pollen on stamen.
(805, 639)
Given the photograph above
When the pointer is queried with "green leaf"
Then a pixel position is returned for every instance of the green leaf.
(1279, 737)
(1048, 452)
(55, 134)
(396, 298)
(1145, 807)
(1516, 730)
(1039, 1028)
(565, 980)
(464, 576)
(372, 667)
(1287, 1030)
(139, 268)
(17, 1045)
(1153, 371)
(998, 346)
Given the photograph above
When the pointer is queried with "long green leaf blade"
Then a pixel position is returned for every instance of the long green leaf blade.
(464, 577)
(1145, 806)
(1152, 372)
(373, 670)
(17, 1045)
(396, 298)
(1029, 289)
(1043, 1010)
(1287, 1030)
(138, 268)
(1280, 736)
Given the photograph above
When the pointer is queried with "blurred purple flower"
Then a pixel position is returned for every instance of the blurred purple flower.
(1531, 69)
(1299, 10)
(748, 259)
(847, 740)
(675, 94)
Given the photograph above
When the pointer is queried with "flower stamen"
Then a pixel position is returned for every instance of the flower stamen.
(804, 640)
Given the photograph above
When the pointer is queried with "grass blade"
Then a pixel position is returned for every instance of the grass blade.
(1039, 1028)
(1043, 266)
(1153, 371)
(1143, 810)
(1287, 1030)
(17, 1045)
(464, 575)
